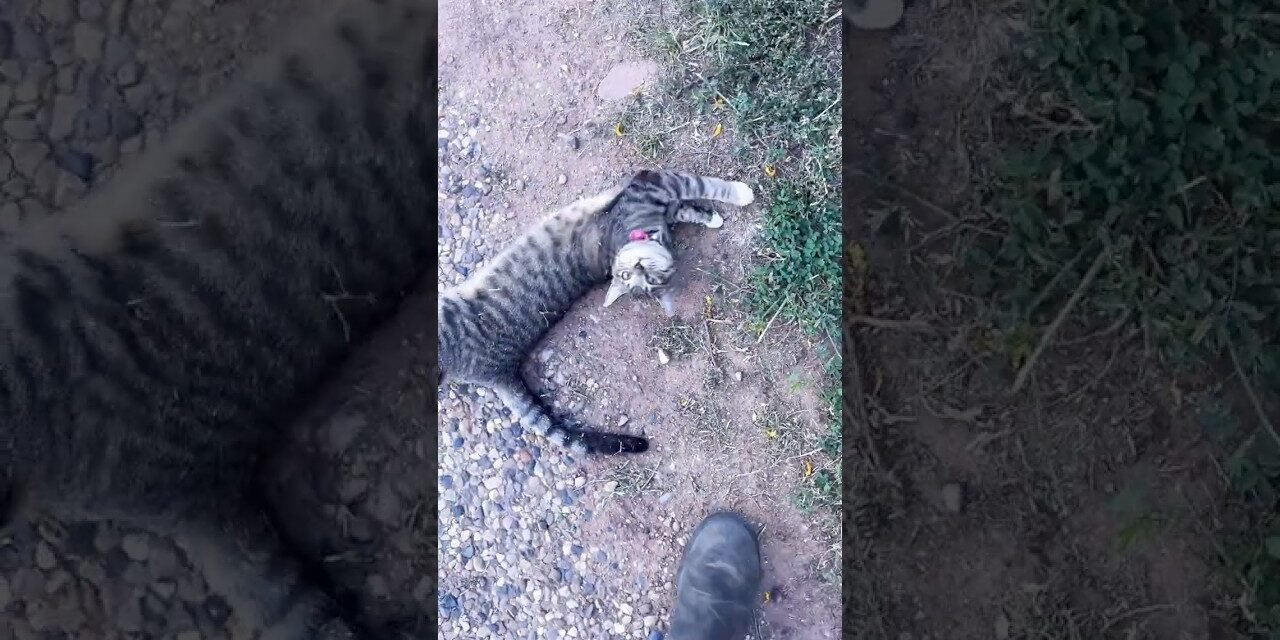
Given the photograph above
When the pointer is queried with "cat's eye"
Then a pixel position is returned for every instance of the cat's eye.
(625, 275)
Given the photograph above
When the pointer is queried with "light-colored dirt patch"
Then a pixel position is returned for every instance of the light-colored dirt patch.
(624, 79)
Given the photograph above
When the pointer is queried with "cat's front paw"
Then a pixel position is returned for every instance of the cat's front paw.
(715, 222)
(742, 195)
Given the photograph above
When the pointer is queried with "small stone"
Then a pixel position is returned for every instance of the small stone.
(28, 45)
(32, 208)
(57, 11)
(164, 588)
(76, 163)
(1002, 626)
(116, 53)
(126, 123)
(562, 179)
(136, 547)
(622, 421)
(25, 129)
(87, 40)
(94, 124)
(139, 95)
(63, 120)
(129, 74)
(573, 143)
(27, 156)
(28, 91)
(44, 556)
(663, 356)
(650, 622)
(66, 80)
(90, 10)
(952, 497)
(611, 486)
(655, 635)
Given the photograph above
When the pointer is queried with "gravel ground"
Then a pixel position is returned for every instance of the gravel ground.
(509, 506)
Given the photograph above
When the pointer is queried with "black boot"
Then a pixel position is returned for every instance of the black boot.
(718, 583)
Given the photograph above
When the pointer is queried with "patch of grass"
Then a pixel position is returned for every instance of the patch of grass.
(756, 86)
(1155, 169)
(631, 479)
(819, 484)
(709, 422)
(1156, 127)
(677, 339)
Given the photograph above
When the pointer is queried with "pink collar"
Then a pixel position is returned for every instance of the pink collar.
(637, 235)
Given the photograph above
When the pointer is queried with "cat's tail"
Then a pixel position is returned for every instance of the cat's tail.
(687, 186)
(532, 415)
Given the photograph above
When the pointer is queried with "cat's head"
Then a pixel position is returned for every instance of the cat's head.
(643, 266)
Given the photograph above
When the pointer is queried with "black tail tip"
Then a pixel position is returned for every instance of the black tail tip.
(611, 444)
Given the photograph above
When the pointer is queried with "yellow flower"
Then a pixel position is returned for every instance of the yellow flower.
(808, 468)
(617, 129)
(718, 130)
(770, 434)
(767, 596)
(770, 171)
(719, 102)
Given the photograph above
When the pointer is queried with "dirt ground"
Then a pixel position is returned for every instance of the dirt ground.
(1084, 506)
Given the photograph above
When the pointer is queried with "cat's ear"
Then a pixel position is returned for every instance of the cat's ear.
(668, 304)
(616, 289)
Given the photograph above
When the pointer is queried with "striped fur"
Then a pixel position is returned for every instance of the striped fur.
(155, 337)
(664, 198)
(490, 322)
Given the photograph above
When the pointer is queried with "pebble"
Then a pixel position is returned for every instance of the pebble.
(87, 40)
(952, 497)
(24, 129)
(136, 547)
(562, 179)
(76, 163)
(45, 559)
(27, 45)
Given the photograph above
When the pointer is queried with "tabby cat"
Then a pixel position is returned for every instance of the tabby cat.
(490, 322)
(653, 201)
(156, 337)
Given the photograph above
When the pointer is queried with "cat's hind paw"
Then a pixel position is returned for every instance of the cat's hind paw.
(742, 194)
